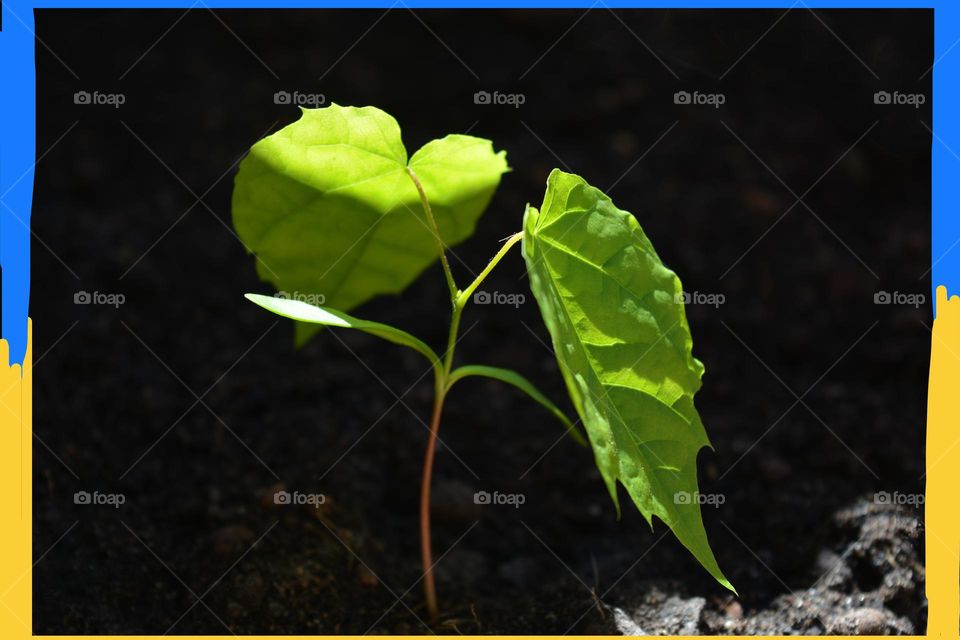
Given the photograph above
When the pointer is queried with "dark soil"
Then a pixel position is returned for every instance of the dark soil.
(801, 531)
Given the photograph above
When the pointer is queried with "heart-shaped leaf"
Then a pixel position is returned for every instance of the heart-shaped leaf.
(329, 209)
(621, 338)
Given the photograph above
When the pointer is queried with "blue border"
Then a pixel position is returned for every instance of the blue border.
(490, 4)
(17, 158)
(18, 119)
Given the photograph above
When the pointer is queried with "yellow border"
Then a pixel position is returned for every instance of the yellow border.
(16, 448)
(942, 522)
(943, 477)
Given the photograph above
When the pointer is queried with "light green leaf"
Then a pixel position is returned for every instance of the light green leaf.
(328, 208)
(308, 313)
(517, 380)
(620, 333)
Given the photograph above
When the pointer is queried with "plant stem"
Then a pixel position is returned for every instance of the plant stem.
(451, 283)
(451, 342)
(458, 300)
(426, 549)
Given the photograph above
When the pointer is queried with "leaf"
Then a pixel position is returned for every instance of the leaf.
(621, 338)
(328, 208)
(311, 314)
(517, 380)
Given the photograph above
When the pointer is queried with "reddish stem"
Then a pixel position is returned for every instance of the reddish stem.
(426, 550)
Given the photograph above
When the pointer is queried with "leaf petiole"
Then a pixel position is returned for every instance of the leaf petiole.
(441, 247)
(464, 296)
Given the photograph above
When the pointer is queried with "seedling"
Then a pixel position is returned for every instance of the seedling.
(333, 208)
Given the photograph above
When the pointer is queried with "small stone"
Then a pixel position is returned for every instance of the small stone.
(858, 622)
(660, 614)
(734, 610)
(625, 623)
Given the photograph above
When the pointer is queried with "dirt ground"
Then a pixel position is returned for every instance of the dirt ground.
(192, 404)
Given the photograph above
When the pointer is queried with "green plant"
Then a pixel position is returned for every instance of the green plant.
(331, 206)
